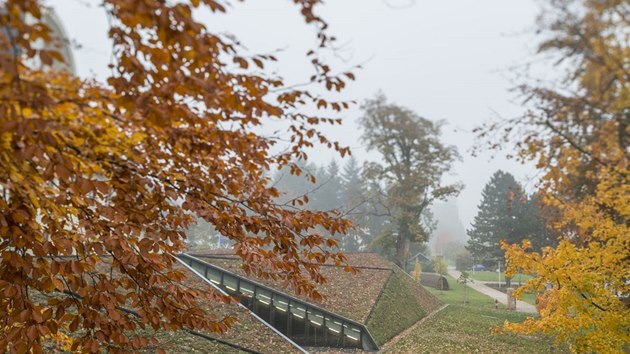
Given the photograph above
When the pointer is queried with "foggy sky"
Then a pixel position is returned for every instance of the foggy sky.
(445, 59)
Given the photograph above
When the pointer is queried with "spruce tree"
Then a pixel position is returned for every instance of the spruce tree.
(354, 206)
(326, 194)
(503, 205)
(351, 181)
(293, 186)
(534, 223)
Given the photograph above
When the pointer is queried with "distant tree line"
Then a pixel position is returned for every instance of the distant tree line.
(334, 187)
(388, 200)
(341, 188)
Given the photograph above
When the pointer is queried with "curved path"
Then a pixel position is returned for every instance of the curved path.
(521, 306)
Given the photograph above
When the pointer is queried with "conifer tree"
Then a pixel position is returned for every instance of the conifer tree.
(351, 181)
(292, 186)
(326, 195)
(502, 204)
(355, 206)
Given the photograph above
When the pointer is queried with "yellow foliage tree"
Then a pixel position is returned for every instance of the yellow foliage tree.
(417, 271)
(579, 137)
(583, 284)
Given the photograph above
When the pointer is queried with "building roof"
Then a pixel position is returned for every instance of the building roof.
(348, 295)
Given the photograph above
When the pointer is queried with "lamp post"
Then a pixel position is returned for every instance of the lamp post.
(499, 261)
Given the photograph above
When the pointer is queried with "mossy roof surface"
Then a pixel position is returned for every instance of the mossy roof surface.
(181, 342)
(248, 332)
(376, 296)
(345, 294)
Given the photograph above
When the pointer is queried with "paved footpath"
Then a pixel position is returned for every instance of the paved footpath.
(521, 306)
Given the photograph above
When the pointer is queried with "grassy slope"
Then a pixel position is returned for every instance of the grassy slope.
(457, 294)
(389, 317)
(465, 329)
(468, 328)
(401, 305)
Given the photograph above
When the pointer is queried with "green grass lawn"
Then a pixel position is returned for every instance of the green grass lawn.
(467, 328)
(529, 298)
(458, 292)
(494, 276)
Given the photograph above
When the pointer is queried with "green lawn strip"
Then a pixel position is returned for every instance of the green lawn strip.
(467, 329)
(457, 294)
(486, 276)
(529, 298)
(395, 311)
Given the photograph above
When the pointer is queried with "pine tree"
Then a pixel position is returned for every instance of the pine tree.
(351, 181)
(327, 195)
(354, 206)
(292, 186)
(503, 203)
(534, 223)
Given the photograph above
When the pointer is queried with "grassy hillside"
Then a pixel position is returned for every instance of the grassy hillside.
(466, 329)
(401, 304)
(469, 328)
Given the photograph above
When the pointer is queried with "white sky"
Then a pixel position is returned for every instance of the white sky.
(445, 59)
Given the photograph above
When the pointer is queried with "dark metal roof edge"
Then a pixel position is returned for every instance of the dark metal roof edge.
(293, 298)
(248, 310)
(267, 287)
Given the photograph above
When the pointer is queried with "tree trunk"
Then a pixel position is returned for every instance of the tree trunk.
(401, 252)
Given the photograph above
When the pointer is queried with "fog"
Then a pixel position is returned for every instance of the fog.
(449, 60)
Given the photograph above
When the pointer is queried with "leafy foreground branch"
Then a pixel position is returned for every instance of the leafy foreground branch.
(117, 171)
